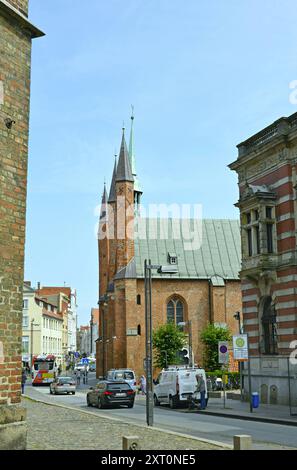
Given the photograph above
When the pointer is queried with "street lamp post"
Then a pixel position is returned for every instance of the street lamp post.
(103, 302)
(148, 267)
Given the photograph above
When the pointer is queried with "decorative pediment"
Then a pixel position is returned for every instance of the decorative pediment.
(262, 191)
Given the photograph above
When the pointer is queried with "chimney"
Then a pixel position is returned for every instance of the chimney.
(38, 285)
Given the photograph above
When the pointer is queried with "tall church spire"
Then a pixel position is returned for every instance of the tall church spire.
(124, 172)
(137, 187)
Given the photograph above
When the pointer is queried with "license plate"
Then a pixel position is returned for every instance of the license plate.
(120, 394)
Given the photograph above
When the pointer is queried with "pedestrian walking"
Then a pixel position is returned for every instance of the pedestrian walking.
(59, 369)
(78, 377)
(24, 379)
(201, 388)
(143, 385)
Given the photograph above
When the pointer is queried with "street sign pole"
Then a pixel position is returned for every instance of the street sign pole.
(148, 346)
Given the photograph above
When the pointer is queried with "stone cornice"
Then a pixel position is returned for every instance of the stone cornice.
(8, 11)
(280, 134)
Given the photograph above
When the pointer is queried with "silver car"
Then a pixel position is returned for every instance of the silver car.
(128, 375)
(62, 385)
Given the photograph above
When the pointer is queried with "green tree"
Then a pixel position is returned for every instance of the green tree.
(168, 339)
(210, 337)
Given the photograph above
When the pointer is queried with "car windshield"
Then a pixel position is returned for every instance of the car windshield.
(118, 387)
(65, 380)
(126, 375)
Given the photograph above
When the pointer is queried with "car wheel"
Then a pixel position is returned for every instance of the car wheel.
(172, 402)
(88, 402)
(99, 404)
(130, 405)
(156, 401)
(73, 393)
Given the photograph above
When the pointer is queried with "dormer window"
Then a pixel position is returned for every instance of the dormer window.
(172, 258)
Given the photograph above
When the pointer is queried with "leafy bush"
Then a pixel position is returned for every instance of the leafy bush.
(210, 336)
(168, 339)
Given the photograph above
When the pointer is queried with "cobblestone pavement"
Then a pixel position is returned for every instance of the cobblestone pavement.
(55, 428)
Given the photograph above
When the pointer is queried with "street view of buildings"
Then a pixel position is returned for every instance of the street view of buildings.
(215, 283)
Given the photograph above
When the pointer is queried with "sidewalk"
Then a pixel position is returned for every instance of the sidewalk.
(59, 427)
(277, 414)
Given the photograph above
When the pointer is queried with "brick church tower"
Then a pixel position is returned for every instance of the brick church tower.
(205, 288)
(116, 252)
(16, 34)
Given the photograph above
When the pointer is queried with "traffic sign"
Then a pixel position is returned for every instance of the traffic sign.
(223, 352)
(76, 354)
(85, 360)
(240, 347)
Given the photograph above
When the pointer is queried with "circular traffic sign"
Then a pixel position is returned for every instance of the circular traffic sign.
(223, 349)
(240, 342)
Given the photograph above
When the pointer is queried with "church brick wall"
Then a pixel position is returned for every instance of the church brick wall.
(195, 295)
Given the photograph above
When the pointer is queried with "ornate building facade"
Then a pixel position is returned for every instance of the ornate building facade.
(266, 168)
(206, 287)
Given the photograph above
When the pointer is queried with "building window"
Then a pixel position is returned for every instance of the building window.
(26, 304)
(25, 321)
(259, 225)
(269, 231)
(250, 243)
(269, 337)
(175, 312)
(138, 300)
(25, 344)
(257, 230)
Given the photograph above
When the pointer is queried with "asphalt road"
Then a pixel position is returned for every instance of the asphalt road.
(264, 435)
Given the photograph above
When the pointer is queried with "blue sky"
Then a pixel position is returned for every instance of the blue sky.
(202, 76)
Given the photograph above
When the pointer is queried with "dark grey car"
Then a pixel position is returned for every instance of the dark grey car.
(110, 394)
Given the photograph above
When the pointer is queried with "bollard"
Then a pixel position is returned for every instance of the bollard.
(131, 443)
(242, 442)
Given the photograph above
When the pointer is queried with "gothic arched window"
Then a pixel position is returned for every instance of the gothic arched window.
(175, 311)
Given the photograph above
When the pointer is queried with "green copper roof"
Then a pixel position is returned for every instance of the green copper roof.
(218, 255)
(137, 186)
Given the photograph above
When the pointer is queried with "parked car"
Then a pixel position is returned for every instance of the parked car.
(175, 385)
(128, 375)
(80, 366)
(111, 393)
(63, 385)
(92, 367)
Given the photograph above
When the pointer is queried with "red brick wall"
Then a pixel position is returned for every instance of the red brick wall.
(15, 61)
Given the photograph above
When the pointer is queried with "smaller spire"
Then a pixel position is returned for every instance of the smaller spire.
(104, 196)
(112, 192)
(103, 212)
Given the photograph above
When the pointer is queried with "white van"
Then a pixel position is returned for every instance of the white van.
(127, 375)
(176, 384)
